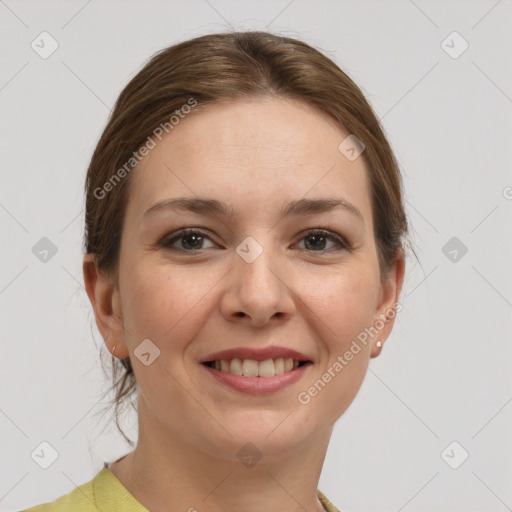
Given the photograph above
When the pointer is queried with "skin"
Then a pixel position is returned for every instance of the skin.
(255, 156)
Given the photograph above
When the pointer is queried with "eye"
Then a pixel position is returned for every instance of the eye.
(317, 239)
(189, 240)
(192, 240)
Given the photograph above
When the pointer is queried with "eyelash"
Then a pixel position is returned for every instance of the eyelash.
(320, 232)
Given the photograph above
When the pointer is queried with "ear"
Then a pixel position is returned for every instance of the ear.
(105, 300)
(388, 305)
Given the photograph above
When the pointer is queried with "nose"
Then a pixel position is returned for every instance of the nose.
(257, 292)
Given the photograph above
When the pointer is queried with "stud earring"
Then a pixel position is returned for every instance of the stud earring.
(379, 344)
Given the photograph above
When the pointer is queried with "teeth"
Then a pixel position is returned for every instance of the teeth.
(252, 368)
(266, 368)
(279, 366)
(236, 366)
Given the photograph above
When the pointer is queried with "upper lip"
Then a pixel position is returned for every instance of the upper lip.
(257, 354)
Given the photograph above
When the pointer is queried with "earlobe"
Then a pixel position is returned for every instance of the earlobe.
(389, 296)
(376, 349)
(103, 296)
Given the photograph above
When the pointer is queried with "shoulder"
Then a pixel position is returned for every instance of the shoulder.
(328, 506)
(81, 499)
(103, 492)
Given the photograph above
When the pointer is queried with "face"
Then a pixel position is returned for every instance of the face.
(249, 276)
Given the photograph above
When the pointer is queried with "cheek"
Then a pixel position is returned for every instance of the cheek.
(166, 307)
(343, 311)
(164, 304)
(344, 303)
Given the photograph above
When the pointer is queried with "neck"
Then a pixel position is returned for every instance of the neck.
(168, 469)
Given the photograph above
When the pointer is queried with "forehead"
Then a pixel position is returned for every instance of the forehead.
(250, 152)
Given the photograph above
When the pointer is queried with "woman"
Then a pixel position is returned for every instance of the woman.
(244, 259)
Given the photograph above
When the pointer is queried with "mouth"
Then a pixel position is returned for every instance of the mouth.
(253, 377)
(253, 368)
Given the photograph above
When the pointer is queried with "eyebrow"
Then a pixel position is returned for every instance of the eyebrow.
(208, 206)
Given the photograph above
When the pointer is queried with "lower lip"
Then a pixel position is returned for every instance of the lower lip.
(259, 385)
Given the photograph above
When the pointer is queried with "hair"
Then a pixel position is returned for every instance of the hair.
(222, 67)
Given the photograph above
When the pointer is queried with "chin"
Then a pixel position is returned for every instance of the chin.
(270, 441)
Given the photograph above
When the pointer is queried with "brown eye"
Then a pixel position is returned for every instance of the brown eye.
(318, 239)
(186, 240)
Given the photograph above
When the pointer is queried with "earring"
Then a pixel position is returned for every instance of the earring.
(379, 344)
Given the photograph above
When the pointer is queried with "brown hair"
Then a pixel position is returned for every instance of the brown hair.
(218, 67)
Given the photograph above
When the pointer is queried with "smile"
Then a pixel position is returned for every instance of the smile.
(252, 368)
(257, 377)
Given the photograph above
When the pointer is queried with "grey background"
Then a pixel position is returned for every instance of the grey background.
(443, 376)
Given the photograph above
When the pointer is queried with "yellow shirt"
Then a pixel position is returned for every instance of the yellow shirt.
(106, 493)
